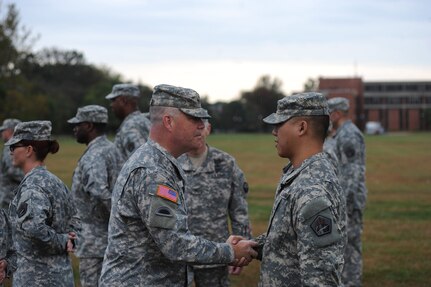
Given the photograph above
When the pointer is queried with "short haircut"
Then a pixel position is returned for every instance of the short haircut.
(319, 125)
(100, 127)
(157, 112)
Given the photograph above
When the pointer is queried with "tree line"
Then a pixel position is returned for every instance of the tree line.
(51, 84)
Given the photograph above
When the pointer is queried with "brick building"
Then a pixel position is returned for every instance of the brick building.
(399, 106)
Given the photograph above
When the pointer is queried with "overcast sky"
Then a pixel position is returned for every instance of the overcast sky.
(221, 47)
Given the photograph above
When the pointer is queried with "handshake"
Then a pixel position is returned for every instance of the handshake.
(243, 250)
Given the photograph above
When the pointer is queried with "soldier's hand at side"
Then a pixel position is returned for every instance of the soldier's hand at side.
(70, 246)
(235, 270)
(2, 276)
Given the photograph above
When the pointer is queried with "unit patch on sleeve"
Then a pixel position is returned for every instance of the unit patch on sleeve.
(321, 225)
(167, 193)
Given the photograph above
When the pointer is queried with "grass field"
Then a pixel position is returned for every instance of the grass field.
(397, 230)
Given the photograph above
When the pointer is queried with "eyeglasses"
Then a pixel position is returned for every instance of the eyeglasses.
(13, 147)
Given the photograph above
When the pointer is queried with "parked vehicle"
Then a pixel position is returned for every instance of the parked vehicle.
(374, 128)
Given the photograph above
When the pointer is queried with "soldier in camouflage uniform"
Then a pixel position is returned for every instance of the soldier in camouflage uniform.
(42, 214)
(216, 190)
(305, 239)
(92, 184)
(7, 251)
(149, 243)
(10, 176)
(135, 128)
(349, 150)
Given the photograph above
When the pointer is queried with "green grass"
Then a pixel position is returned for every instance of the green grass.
(397, 225)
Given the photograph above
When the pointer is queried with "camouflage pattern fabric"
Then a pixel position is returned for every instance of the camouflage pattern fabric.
(216, 191)
(89, 271)
(305, 240)
(92, 184)
(133, 133)
(7, 250)
(214, 277)
(42, 214)
(10, 177)
(349, 149)
(149, 243)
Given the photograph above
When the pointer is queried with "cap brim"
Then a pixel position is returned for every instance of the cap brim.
(274, 119)
(12, 141)
(196, 113)
(74, 120)
(111, 96)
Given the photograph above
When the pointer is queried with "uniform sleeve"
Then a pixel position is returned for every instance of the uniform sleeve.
(238, 207)
(97, 183)
(320, 244)
(133, 140)
(33, 210)
(167, 225)
(10, 253)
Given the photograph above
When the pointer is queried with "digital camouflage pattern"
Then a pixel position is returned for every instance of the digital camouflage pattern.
(34, 130)
(90, 113)
(90, 270)
(10, 177)
(92, 184)
(42, 214)
(149, 243)
(215, 191)
(339, 104)
(187, 100)
(7, 251)
(127, 90)
(304, 104)
(133, 132)
(349, 149)
(214, 277)
(304, 243)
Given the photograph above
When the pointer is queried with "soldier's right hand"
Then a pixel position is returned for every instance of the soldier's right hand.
(244, 252)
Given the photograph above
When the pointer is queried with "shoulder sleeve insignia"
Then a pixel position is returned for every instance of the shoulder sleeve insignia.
(321, 225)
(22, 210)
(167, 193)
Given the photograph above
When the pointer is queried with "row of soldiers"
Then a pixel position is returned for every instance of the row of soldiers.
(163, 219)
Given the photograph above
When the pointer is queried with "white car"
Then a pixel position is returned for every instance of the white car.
(374, 128)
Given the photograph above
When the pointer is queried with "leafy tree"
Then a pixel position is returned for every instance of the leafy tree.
(311, 85)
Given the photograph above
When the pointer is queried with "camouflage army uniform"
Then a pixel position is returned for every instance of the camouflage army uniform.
(304, 243)
(42, 214)
(349, 149)
(215, 191)
(7, 250)
(149, 243)
(92, 185)
(10, 177)
(133, 133)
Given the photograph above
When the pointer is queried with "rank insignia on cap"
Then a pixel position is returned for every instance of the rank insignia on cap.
(167, 193)
(321, 225)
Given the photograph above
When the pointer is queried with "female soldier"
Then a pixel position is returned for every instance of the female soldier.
(42, 213)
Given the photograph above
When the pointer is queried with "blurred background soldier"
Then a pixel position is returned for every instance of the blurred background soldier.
(216, 190)
(349, 149)
(7, 251)
(306, 236)
(42, 213)
(135, 126)
(92, 185)
(10, 176)
(149, 242)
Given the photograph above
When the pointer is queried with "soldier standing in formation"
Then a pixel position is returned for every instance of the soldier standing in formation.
(7, 251)
(10, 176)
(305, 240)
(149, 243)
(92, 185)
(135, 126)
(349, 150)
(42, 213)
(216, 190)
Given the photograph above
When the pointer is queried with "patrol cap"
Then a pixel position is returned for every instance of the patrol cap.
(34, 131)
(123, 90)
(9, 124)
(187, 100)
(91, 113)
(338, 104)
(304, 104)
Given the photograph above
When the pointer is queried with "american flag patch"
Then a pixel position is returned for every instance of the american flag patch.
(167, 193)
